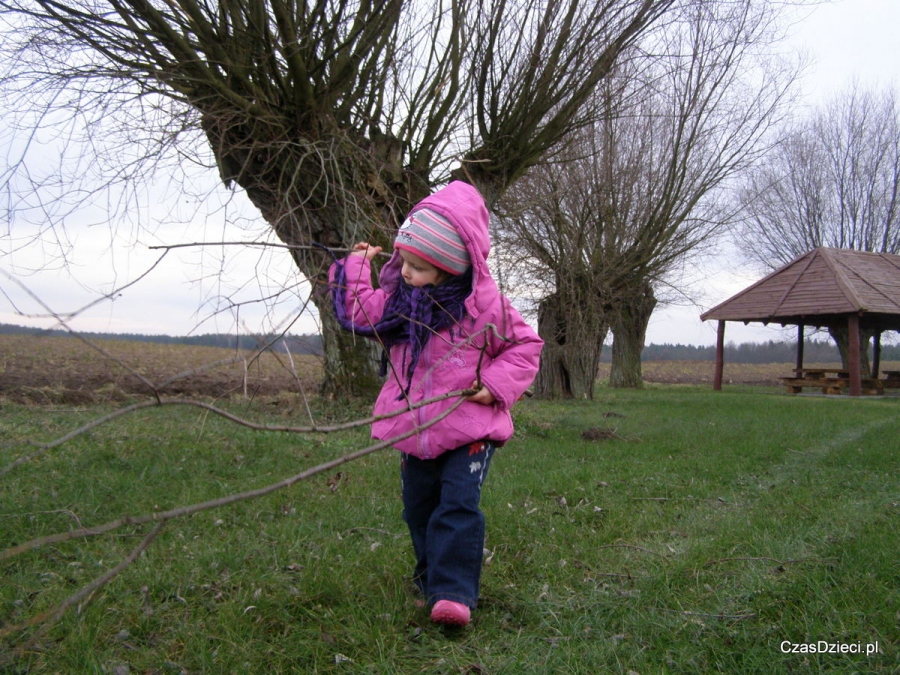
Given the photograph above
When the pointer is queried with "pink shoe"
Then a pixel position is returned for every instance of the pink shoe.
(450, 613)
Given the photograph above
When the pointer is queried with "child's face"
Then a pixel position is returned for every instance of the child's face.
(419, 272)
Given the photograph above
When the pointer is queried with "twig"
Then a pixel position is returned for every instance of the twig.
(43, 513)
(298, 381)
(371, 529)
(90, 344)
(108, 296)
(203, 368)
(710, 563)
(53, 615)
(44, 447)
(721, 500)
(266, 244)
(722, 617)
(639, 548)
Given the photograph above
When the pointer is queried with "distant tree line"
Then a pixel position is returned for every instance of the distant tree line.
(814, 351)
(297, 344)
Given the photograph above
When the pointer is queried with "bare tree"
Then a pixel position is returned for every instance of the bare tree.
(834, 180)
(549, 238)
(332, 118)
(641, 192)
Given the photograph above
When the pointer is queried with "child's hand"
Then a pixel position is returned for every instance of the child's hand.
(366, 249)
(482, 396)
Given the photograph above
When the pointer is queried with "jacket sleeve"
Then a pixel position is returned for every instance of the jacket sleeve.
(364, 304)
(516, 351)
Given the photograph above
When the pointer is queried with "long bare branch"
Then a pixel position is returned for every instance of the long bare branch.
(160, 402)
(50, 617)
(230, 499)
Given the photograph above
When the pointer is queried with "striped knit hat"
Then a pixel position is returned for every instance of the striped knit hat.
(432, 237)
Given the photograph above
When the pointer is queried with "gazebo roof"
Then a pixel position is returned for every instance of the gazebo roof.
(821, 288)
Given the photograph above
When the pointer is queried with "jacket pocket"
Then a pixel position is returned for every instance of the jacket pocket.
(470, 421)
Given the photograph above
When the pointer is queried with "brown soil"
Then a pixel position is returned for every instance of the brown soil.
(66, 370)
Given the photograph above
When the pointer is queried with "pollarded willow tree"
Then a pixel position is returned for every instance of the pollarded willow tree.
(833, 181)
(333, 118)
(634, 197)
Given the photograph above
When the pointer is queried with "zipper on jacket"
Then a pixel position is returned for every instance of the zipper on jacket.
(422, 436)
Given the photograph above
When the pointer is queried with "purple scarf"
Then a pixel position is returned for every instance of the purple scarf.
(411, 314)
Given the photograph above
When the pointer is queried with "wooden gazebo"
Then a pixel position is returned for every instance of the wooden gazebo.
(825, 288)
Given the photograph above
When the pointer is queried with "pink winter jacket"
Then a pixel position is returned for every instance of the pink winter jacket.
(449, 363)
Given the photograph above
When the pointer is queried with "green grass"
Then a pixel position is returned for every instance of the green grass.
(715, 527)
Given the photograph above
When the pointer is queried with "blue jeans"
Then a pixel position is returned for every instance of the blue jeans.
(440, 507)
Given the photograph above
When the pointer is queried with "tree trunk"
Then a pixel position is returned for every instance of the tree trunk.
(629, 329)
(350, 362)
(841, 336)
(573, 339)
(328, 194)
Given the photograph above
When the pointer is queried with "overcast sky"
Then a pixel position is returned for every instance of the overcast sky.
(846, 39)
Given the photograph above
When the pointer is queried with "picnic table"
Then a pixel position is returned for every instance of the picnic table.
(831, 381)
(891, 379)
(821, 372)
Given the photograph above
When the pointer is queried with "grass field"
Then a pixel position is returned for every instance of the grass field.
(668, 530)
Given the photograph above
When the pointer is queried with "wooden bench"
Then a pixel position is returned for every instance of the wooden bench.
(871, 385)
(828, 385)
(819, 373)
(833, 385)
(891, 379)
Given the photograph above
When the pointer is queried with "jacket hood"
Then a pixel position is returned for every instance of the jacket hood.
(463, 206)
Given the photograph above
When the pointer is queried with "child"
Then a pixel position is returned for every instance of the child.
(445, 327)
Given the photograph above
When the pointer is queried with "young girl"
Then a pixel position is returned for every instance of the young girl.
(445, 327)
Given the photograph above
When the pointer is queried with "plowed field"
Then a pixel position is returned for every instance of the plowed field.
(67, 370)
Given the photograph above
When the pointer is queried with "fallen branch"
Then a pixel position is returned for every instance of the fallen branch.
(222, 501)
(50, 617)
(159, 402)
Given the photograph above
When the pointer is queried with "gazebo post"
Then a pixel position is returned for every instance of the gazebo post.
(853, 357)
(800, 328)
(720, 356)
(876, 355)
